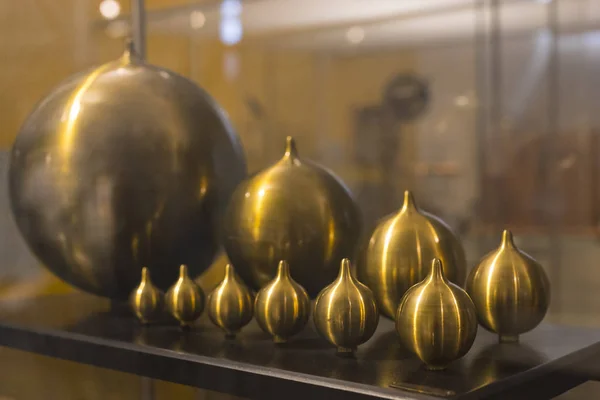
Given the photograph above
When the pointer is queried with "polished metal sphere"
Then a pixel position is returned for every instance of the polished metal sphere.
(123, 166)
(296, 211)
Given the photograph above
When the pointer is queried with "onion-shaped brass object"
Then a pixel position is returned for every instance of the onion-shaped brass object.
(399, 251)
(230, 304)
(510, 290)
(122, 166)
(282, 307)
(185, 299)
(437, 320)
(147, 301)
(295, 211)
(345, 312)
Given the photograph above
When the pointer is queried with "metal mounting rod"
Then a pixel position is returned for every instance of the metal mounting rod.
(138, 27)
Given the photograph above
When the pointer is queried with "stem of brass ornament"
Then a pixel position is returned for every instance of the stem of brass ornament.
(138, 27)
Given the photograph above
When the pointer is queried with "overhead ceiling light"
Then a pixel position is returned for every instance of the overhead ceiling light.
(110, 9)
(230, 31)
(197, 19)
(355, 35)
(231, 8)
(543, 1)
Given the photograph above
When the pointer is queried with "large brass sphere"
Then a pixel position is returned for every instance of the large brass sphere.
(123, 166)
(510, 290)
(400, 250)
(295, 211)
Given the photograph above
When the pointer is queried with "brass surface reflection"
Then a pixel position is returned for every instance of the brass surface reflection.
(230, 305)
(510, 290)
(147, 301)
(437, 320)
(123, 166)
(400, 250)
(497, 361)
(345, 312)
(282, 307)
(296, 211)
(185, 299)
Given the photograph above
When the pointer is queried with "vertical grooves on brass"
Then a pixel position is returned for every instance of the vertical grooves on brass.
(282, 307)
(230, 304)
(185, 299)
(345, 311)
(510, 290)
(436, 319)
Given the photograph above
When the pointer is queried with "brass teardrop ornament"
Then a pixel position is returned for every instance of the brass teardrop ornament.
(437, 320)
(399, 251)
(282, 307)
(147, 301)
(230, 304)
(185, 299)
(345, 312)
(297, 211)
(510, 290)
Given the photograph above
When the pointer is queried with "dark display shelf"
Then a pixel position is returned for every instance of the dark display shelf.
(85, 329)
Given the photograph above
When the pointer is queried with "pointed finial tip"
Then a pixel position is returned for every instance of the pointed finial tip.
(507, 238)
(182, 270)
(145, 273)
(130, 53)
(229, 270)
(290, 147)
(345, 266)
(283, 268)
(436, 268)
(409, 201)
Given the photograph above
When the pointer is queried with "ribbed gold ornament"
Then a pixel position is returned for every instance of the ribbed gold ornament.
(400, 250)
(510, 290)
(345, 312)
(147, 301)
(437, 320)
(282, 307)
(185, 299)
(230, 305)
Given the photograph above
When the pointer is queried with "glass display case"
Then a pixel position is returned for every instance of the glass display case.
(484, 109)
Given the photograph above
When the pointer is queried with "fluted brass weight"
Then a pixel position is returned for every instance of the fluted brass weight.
(231, 304)
(147, 301)
(345, 311)
(185, 299)
(510, 290)
(436, 319)
(282, 307)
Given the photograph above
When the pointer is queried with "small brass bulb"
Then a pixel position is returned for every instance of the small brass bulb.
(282, 307)
(231, 304)
(185, 299)
(147, 301)
(510, 290)
(345, 311)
